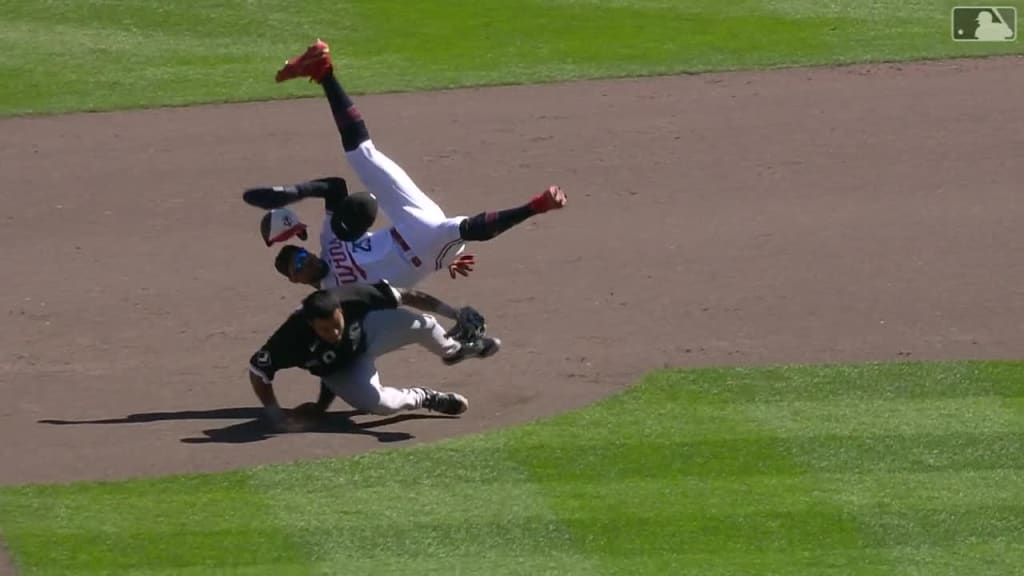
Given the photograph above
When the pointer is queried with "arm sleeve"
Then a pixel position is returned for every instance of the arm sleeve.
(276, 354)
(333, 190)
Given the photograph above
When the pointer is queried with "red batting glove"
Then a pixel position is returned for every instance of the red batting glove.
(462, 265)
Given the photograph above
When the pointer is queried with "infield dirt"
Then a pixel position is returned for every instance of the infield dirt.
(845, 214)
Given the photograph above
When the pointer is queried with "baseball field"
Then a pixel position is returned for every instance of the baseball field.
(776, 330)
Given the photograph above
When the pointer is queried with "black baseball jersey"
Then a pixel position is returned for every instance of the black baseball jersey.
(296, 345)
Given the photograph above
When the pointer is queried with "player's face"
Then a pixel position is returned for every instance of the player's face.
(305, 269)
(330, 329)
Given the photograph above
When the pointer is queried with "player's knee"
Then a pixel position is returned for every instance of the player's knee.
(390, 402)
(425, 322)
(382, 410)
(373, 404)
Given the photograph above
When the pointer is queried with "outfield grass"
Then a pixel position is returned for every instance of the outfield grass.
(66, 55)
(898, 469)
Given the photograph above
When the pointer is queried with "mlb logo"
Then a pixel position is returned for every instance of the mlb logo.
(984, 24)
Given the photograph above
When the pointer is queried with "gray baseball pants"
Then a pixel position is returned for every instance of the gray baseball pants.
(385, 331)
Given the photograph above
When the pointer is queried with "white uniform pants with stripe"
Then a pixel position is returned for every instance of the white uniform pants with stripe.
(388, 330)
(432, 236)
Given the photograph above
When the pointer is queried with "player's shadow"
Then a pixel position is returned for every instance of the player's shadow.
(255, 428)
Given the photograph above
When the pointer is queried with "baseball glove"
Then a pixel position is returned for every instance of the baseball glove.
(470, 325)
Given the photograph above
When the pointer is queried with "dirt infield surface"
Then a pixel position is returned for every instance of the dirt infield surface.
(863, 213)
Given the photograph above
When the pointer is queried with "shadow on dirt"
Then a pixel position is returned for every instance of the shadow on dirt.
(255, 428)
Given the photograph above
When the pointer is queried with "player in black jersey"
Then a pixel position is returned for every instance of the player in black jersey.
(336, 335)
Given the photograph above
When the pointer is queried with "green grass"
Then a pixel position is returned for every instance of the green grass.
(900, 469)
(883, 469)
(68, 55)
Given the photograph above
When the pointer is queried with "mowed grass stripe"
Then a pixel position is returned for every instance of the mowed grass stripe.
(827, 454)
(785, 455)
(891, 417)
(952, 465)
(495, 42)
(872, 382)
(64, 55)
(209, 524)
(648, 485)
(444, 509)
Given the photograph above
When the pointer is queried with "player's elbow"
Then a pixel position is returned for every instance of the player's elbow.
(336, 185)
(257, 377)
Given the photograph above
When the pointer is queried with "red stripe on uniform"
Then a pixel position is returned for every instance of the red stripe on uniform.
(354, 263)
(444, 252)
(401, 241)
(405, 246)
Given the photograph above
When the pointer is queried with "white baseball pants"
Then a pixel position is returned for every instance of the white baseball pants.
(432, 236)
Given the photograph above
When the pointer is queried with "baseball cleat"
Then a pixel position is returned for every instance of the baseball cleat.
(445, 402)
(314, 64)
(481, 348)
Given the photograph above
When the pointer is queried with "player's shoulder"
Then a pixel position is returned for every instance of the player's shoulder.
(293, 327)
(326, 233)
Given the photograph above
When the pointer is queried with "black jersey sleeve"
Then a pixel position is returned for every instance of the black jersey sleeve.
(279, 352)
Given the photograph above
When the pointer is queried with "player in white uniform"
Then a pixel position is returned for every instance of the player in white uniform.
(421, 240)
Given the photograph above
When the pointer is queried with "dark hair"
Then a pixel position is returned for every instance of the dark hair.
(319, 304)
(284, 258)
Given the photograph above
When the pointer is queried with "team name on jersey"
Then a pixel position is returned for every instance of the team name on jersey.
(342, 264)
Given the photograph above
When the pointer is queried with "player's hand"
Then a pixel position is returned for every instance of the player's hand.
(463, 265)
(558, 198)
(470, 325)
(309, 411)
(551, 199)
(287, 422)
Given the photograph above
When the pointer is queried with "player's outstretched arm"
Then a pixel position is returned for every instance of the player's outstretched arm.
(332, 189)
(275, 355)
(318, 408)
(488, 225)
(281, 420)
(469, 323)
(422, 301)
(265, 392)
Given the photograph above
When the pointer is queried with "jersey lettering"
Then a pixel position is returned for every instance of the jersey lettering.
(346, 275)
(340, 263)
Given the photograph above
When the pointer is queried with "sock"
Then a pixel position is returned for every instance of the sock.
(487, 225)
(346, 117)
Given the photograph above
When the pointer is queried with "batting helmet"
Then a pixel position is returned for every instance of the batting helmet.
(281, 224)
(354, 216)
